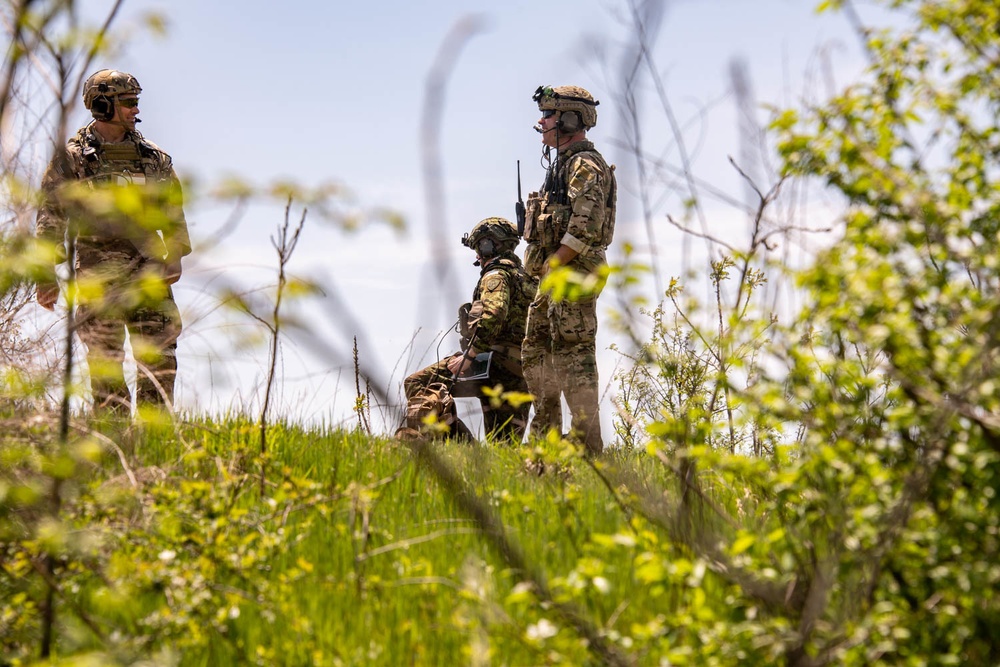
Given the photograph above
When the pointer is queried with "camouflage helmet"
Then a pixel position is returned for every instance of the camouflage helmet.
(500, 231)
(568, 98)
(108, 83)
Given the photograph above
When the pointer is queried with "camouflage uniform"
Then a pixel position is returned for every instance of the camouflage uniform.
(575, 208)
(122, 204)
(497, 322)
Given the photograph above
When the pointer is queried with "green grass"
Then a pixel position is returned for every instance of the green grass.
(356, 554)
(365, 551)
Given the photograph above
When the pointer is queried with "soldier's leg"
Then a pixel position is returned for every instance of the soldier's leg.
(426, 393)
(417, 382)
(539, 374)
(575, 360)
(100, 322)
(155, 328)
(104, 337)
(460, 432)
(507, 424)
(583, 396)
(503, 419)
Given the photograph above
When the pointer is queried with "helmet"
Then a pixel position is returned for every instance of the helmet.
(568, 98)
(492, 236)
(103, 86)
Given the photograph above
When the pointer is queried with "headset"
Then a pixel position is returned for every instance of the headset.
(103, 106)
(569, 122)
(486, 248)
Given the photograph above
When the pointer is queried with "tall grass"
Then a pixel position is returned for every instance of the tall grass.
(354, 555)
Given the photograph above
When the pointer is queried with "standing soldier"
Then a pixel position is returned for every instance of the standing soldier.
(492, 327)
(113, 200)
(568, 223)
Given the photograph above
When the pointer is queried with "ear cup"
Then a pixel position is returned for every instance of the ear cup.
(569, 122)
(103, 108)
(486, 248)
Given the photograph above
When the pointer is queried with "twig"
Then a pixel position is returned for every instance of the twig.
(359, 403)
(284, 246)
(430, 130)
(53, 586)
(406, 544)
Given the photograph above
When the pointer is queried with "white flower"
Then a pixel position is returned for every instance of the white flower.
(522, 587)
(602, 584)
(542, 630)
(167, 555)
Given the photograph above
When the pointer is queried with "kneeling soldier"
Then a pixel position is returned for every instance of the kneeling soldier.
(492, 328)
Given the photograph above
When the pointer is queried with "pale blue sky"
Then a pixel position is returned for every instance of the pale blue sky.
(319, 91)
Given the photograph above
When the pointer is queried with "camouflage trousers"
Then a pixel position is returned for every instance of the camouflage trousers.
(430, 391)
(560, 358)
(142, 304)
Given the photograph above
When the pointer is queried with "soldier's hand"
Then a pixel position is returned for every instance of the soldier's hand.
(457, 364)
(561, 257)
(47, 295)
(172, 272)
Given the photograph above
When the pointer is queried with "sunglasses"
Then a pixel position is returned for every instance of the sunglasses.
(128, 102)
(549, 113)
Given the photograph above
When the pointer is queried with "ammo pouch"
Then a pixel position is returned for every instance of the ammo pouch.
(545, 222)
(534, 208)
(534, 260)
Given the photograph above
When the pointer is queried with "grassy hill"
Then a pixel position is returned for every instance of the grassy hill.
(180, 544)
(361, 550)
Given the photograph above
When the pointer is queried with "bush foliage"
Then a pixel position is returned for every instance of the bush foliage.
(815, 487)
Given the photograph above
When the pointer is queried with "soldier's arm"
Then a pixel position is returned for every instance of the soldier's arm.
(586, 191)
(495, 290)
(562, 256)
(50, 228)
(50, 225)
(175, 233)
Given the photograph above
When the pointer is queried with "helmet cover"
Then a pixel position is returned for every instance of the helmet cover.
(500, 230)
(108, 83)
(568, 98)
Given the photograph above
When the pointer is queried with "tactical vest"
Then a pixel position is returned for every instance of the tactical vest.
(522, 292)
(132, 162)
(548, 212)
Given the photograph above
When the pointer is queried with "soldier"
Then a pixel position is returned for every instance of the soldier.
(570, 223)
(113, 200)
(492, 327)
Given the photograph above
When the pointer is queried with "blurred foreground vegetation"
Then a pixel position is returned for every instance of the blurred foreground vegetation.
(807, 479)
(361, 552)
(356, 554)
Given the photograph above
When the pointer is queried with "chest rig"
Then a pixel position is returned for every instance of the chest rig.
(104, 166)
(123, 163)
(549, 210)
(522, 291)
